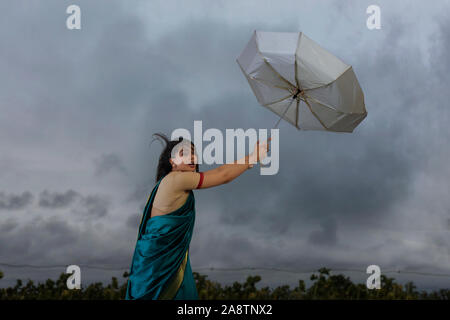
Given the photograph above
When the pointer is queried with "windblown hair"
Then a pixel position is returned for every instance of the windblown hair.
(164, 166)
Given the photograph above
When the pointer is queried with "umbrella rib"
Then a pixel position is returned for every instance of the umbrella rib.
(256, 79)
(268, 83)
(323, 104)
(249, 78)
(279, 100)
(290, 103)
(315, 115)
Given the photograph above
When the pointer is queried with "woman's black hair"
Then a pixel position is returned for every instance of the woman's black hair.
(164, 166)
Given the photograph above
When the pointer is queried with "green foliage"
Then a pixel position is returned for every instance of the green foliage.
(324, 286)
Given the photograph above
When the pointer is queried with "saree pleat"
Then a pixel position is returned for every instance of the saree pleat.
(160, 268)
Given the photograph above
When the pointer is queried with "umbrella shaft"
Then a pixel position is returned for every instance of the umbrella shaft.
(284, 113)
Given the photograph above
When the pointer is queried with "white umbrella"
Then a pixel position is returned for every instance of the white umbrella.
(283, 67)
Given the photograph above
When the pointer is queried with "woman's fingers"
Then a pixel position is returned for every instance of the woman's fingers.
(262, 149)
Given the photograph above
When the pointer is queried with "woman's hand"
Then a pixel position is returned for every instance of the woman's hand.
(230, 171)
(260, 151)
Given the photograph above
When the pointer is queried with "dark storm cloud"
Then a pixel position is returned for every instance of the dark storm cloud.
(234, 250)
(139, 192)
(57, 242)
(92, 60)
(8, 225)
(439, 52)
(108, 163)
(327, 235)
(440, 65)
(34, 239)
(56, 200)
(59, 231)
(93, 206)
(133, 220)
(15, 201)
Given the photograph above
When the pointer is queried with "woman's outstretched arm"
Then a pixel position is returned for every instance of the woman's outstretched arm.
(222, 174)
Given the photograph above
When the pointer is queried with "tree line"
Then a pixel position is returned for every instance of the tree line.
(324, 286)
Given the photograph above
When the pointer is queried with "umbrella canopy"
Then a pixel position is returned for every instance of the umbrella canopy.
(303, 83)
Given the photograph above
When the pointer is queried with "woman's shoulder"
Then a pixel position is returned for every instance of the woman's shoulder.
(174, 177)
(173, 174)
(182, 180)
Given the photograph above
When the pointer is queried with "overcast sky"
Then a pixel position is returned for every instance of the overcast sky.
(79, 107)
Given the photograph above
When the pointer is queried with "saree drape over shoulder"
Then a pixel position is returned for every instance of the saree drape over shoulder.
(160, 268)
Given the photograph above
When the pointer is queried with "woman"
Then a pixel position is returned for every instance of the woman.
(161, 268)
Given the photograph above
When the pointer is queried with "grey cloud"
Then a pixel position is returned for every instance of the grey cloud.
(326, 236)
(15, 201)
(234, 249)
(34, 239)
(133, 221)
(56, 241)
(60, 232)
(442, 242)
(107, 163)
(141, 192)
(56, 200)
(93, 206)
(8, 225)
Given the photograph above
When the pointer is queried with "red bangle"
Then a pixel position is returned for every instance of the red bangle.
(201, 181)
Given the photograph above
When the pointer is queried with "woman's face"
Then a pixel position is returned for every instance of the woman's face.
(184, 160)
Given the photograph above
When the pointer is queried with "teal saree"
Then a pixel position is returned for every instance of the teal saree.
(160, 269)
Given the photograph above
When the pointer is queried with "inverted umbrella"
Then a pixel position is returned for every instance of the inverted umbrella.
(283, 67)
